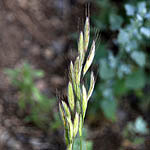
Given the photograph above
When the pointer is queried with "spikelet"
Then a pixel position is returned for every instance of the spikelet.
(92, 84)
(84, 101)
(81, 44)
(86, 34)
(66, 109)
(89, 59)
(71, 97)
(76, 124)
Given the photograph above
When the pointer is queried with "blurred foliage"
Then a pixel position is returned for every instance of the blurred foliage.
(135, 131)
(38, 107)
(122, 54)
(86, 144)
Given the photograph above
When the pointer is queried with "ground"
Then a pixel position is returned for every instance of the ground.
(40, 31)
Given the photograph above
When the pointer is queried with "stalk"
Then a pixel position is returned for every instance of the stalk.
(80, 142)
(70, 147)
(77, 93)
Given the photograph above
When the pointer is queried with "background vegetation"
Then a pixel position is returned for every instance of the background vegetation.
(38, 40)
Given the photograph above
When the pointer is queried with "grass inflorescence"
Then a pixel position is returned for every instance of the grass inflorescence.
(73, 113)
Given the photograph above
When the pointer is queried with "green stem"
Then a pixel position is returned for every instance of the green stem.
(80, 142)
(70, 147)
(81, 135)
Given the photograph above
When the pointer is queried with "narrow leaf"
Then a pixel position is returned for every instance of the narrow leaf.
(90, 58)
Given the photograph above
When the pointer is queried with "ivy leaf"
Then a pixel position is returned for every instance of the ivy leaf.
(132, 45)
(139, 58)
(106, 72)
(136, 80)
(142, 8)
(123, 37)
(145, 31)
(109, 107)
(130, 10)
(115, 21)
(120, 88)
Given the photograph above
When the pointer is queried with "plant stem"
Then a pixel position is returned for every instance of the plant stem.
(70, 147)
(80, 142)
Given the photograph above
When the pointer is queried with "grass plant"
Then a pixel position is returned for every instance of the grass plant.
(36, 106)
(73, 113)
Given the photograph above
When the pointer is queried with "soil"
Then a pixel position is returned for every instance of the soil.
(36, 31)
(39, 31)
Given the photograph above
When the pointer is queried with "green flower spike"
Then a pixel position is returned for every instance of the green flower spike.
(73, 115)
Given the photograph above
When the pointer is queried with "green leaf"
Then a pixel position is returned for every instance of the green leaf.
(142, 8)
(120, 87)
(11, 72)
(89, 145)
(138, 140)
(109, 108)
(86, 145)
(101, 51)
(105, 71)
(36, 94)
(22, 103)
(38, 73)
(123, 37)
(145, 31)
(13, 75)
(131, 45)
(136, 80)
(115, 22)
(141, 126)
(130, 9)
(139, 58)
